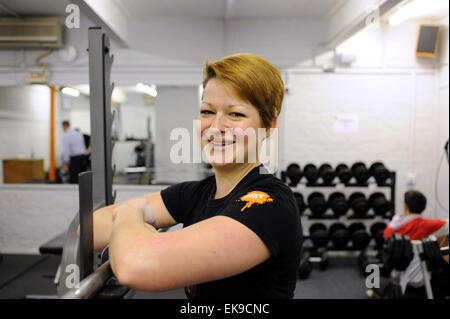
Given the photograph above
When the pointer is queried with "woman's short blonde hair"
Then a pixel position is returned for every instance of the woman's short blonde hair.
(253, 79)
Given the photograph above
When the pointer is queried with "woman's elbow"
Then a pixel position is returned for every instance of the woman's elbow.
(140, 276)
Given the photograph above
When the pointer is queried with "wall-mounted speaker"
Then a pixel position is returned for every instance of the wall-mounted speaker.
(427, 40)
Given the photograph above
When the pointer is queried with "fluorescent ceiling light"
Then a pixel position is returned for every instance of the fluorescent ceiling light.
(83, 88)
(70, 91)
(418, 9)
(148, 89)
(118, 96)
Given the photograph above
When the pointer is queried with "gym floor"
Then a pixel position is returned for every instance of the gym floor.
(32, 276)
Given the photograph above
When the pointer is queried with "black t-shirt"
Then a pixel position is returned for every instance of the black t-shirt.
(264, 204)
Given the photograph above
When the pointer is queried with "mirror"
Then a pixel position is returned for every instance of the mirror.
(145, 116)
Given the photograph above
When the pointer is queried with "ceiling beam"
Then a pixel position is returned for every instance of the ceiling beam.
(228, 5)
(352, 17)
(106, 14)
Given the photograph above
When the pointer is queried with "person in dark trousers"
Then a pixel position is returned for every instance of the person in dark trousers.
(87, 143)
(74, 156)
(242, 234)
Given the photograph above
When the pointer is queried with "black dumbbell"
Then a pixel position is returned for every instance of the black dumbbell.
(377, 230)
(317, 204)
(283, 176)
(326, 172)
(311, 173)
(359, 236)
(379, 204)
(379, 172)
(294, 173)
(300, 202)
(319, 235)
(360, 172)
(339, 235)
(305, 268)
(338, 203)
(343, 173)
(323, 261)
(359, 204)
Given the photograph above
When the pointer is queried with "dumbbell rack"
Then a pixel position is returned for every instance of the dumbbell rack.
(328, 219)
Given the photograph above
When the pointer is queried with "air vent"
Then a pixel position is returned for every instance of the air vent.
(30, 32)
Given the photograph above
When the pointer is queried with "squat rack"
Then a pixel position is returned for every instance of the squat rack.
(95, 187)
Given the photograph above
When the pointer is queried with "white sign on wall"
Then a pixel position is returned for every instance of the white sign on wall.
(345, 123)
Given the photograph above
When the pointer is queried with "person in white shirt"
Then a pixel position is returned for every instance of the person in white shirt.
(74, 156)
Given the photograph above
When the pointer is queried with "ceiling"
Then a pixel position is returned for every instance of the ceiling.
(228, 9)
(209, 9)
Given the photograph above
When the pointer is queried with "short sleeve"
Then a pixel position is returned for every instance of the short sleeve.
(274, 218)
(176, 199)
(442, 231)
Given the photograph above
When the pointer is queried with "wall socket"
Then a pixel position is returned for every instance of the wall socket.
(411, 179)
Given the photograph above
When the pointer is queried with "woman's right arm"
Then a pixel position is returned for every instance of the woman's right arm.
(103, 221)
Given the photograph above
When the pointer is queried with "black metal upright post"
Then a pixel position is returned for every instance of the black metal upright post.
(96, 186)
(393, 183)
(100, 90)
(86, 225)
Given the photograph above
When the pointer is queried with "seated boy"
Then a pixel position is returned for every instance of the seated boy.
(414, 226)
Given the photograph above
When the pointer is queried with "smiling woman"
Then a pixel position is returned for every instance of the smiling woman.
(242, 234)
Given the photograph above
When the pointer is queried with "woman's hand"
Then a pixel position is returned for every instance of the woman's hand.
(132, 211)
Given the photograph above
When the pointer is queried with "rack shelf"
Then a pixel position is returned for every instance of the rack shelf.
(328, 219)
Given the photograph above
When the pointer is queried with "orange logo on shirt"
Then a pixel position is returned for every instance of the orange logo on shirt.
(255, 197)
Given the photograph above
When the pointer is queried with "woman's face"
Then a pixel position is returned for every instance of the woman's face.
(228, 127)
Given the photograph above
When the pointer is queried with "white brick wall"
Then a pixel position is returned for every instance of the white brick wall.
(31, 215)
(401, 102)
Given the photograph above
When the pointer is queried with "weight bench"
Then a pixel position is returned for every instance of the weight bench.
(52, 247)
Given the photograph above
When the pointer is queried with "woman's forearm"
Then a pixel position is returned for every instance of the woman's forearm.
(102, 227)
(127, 249)
(103, 224)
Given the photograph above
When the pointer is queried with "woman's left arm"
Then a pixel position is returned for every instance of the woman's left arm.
(216, 248)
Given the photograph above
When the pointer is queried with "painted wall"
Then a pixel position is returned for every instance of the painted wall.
(400, 101)
(176, 108)
(442, 176)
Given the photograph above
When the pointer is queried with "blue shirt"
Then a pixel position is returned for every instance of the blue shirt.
(73, 144)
